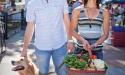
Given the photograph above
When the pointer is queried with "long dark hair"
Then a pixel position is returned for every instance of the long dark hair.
(97, 3)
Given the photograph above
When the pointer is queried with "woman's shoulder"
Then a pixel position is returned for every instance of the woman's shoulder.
(79, 8)
(103, 10)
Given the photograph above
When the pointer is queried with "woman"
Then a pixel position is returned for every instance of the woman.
(93, 26)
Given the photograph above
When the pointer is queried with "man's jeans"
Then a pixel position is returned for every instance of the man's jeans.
(43, 60)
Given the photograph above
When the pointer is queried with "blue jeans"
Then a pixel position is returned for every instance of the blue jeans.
(43, 60)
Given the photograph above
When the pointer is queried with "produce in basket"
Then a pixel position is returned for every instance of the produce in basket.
(99, 64)
(74, 61)
(83, 62)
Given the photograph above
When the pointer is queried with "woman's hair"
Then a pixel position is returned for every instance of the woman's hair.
(97, 3)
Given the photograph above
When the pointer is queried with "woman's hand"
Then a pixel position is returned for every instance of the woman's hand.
(94, 45)
(86, 45)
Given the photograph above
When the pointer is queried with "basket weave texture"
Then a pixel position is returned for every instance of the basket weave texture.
(85, 72)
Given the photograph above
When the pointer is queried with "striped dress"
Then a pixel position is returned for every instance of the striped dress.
(90, 29)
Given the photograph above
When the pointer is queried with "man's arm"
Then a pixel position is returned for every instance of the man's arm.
(30, 19)
(67, 26)
(69, 36)
(27, 37)
(66, 17)
(66, 22)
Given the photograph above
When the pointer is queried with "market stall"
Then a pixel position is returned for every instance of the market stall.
(118, 23)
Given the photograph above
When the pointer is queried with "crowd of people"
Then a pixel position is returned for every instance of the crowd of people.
(8, 6)
(118, 14)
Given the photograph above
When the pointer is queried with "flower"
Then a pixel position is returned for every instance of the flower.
(99, 64)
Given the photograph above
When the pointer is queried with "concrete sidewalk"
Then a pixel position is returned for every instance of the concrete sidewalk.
(114, 57)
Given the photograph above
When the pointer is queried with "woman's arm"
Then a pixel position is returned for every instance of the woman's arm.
(74, 23)
(106, 27)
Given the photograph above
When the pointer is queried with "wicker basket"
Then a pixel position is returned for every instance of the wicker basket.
(85, 72)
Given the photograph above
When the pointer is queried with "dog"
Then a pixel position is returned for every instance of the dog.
(25, 66)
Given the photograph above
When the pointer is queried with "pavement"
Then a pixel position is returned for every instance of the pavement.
(113, 56)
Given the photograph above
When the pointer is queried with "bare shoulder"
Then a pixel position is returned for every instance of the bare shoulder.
(106, 11)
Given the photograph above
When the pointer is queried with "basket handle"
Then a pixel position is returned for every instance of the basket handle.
(91, 58)
(90, 53)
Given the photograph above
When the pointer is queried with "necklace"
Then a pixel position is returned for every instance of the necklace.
(90, 19)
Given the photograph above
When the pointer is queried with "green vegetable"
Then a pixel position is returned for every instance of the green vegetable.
(72, 61)
(106, 67)
(85, 57)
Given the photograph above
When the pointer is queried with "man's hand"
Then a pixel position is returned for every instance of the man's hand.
(70, 47)
(24, 53)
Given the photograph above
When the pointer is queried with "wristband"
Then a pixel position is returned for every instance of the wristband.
(70, 41)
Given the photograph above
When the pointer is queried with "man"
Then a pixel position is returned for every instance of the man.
(49, 19)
